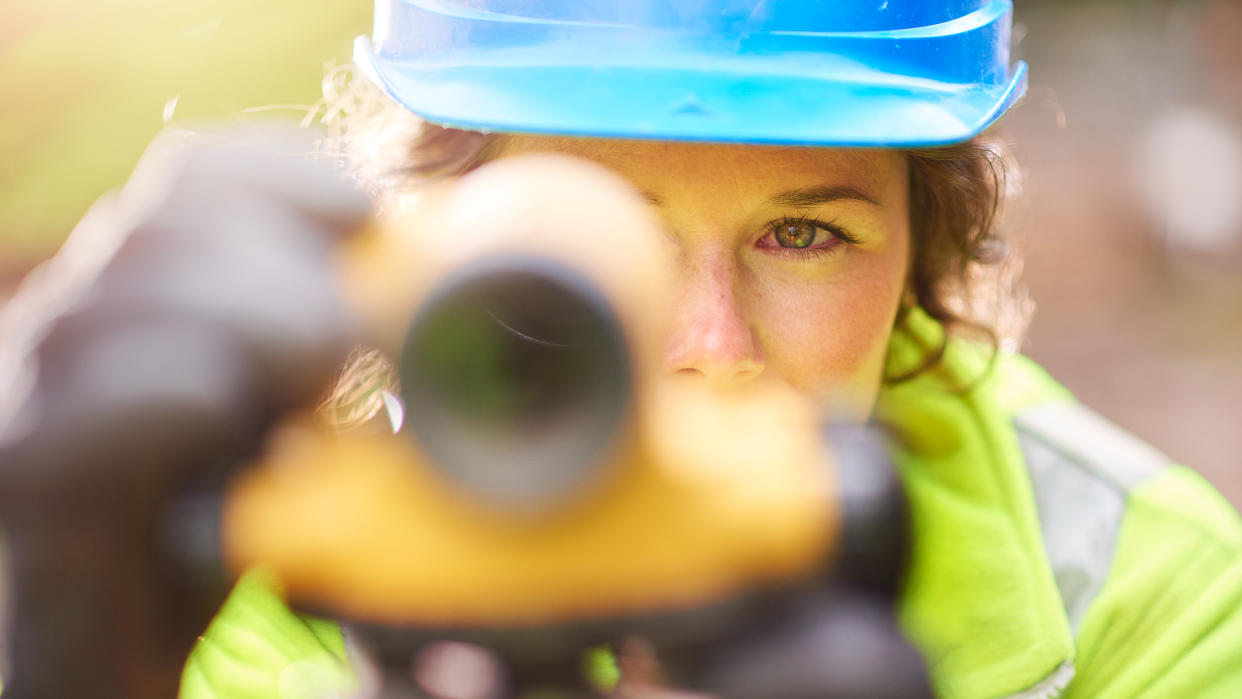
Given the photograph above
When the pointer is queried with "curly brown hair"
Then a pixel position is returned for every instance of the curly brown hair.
(962, 271)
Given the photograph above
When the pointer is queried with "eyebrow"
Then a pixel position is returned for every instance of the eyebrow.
(812, 196)
(815, 196)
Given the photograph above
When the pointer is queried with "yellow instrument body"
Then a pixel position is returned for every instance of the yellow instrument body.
(703, 495)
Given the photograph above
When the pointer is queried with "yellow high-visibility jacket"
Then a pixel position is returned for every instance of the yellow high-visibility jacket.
(1054, 554)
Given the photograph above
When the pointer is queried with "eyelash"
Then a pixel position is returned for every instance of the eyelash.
(829, 227)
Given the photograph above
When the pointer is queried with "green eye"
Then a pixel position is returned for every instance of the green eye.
(795, 234)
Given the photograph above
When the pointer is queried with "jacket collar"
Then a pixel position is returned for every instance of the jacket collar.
(981, 601)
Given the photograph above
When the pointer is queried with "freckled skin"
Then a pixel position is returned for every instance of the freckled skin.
(746, 312)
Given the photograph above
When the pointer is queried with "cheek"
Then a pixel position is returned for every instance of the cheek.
(828, 337)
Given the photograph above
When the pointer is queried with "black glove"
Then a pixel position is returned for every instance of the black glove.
(182, 316)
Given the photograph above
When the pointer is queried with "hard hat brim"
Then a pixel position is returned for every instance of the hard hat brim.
(850, 105)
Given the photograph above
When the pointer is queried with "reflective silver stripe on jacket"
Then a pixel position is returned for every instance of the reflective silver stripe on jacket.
(1081, 468)
(1051, 686)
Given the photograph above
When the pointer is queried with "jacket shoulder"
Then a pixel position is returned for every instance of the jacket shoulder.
(257, 648)
(1140, 554)
(1169, 620)
(1146, 554)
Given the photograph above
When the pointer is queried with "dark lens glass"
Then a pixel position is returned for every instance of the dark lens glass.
(516, 376)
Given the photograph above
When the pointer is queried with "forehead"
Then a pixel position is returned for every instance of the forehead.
(669, 164)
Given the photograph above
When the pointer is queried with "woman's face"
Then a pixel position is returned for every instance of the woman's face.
(793, 259)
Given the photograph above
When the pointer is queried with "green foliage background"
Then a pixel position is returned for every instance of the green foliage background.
(84, 84)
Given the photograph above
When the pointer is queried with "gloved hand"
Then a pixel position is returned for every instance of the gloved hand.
(183, 315)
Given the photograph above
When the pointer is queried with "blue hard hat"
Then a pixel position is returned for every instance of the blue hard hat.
(813, 72)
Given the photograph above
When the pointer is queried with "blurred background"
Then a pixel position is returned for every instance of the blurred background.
(1130, 142)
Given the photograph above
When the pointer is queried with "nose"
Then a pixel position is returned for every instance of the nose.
(711, 335)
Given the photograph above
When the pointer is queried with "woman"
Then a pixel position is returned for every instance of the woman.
(1054, 554)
